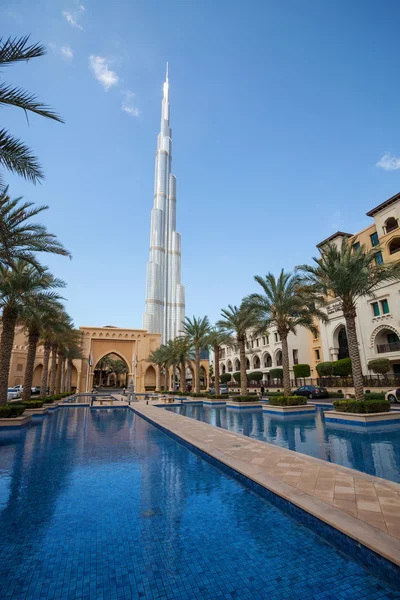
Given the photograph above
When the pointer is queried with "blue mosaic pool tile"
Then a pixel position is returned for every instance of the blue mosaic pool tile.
(101, 505)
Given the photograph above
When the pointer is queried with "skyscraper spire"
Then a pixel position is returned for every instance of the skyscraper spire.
(165, 296)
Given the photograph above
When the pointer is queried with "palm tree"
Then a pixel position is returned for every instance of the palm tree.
(73, 352)
(14, 155)
(216, 339)
(44, 313)
(104, 364)
(184, 355)
(348, 275)
(20, 288)
(49, 340)
(286, 303)
(158, 358)
(196, 330)
(20, 238)
(238, 322)
(119, 368)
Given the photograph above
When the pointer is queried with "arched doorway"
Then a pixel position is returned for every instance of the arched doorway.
(342, 342)
(237, 364)
(256, 362)
(111, 371)
(150, 379)
(37, 375)
(279, 358)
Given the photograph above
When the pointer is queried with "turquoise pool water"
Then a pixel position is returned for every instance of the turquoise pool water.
(100, 505)
(375, 451)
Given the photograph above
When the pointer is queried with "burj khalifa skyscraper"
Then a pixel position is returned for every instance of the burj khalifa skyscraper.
(165, 296)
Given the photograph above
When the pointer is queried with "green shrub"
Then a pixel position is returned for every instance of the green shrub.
(276, 374)
(33, 403)
(11, 410)
(245, 399)
(255, 376)
(288, 401)
(236, 376)
(375, 396)
(342, 367)
(301, 371)
(362, 406)
(194, 395)
(324, 369)
(380, 366)
(216, 396)
(225, 377)
(336, 394)
(267, 393)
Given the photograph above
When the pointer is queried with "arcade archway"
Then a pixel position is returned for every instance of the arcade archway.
(111, 370)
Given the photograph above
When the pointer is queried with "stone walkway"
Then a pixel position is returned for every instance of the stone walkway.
(364, 507)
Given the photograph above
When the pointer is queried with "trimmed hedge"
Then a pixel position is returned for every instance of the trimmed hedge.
(236, 376)
(216, 396)
(288, 401)
(276, 374)
(335, 394)
(33, 403)
(225, 377)
(253, 398)
(362, 406)
(380, 366)
(324, 369)
(342, 367)
(255, 376)
(301, 371)
(11, 410)
(194, 395)
(375, 395)
(267, 393)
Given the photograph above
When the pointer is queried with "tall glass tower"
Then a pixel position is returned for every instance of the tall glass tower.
(165, 296)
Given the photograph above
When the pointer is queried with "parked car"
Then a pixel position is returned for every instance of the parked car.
(393, 396)
(35, 390)
(13, 394)
(20, 388)
(222, 390)
(311, 391)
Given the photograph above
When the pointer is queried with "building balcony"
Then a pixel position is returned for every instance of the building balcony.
(393, 347)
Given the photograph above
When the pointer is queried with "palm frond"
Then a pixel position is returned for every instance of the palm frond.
(15, 96)
(18, 158)
(17, 49)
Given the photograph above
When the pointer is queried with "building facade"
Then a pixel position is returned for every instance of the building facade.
(165, 296)
(378, 317)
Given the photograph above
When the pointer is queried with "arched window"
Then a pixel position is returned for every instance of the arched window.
(391, 224)
(267, 361)
(343, 345)
(279, 358)
(237, 364)
(229, 365)
(222, 368)
(256, 362)
(247, 364)
(394, 246)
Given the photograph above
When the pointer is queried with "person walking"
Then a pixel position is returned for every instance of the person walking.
(262, 391)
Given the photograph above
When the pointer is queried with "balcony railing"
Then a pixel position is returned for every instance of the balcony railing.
(393, 347)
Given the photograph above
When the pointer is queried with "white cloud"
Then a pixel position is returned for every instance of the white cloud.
(128, 104)
(67, 52)
(99, 66)
(389, 163)
(73, 17)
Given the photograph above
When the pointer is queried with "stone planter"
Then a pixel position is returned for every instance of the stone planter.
(301, 409)
(21, 421)
(333, 416)
(214, 402)
(242, 405)
(36, 411)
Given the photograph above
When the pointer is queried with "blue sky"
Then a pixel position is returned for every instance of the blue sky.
(280, 113)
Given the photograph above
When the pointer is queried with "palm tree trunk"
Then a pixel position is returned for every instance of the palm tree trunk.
(9, 321)
(53, 369)
(243, 377)
(197, 370)
(69, 375)
(183, 377)
(158, 378)
(58, 372)
(45, 370)
(33, 338)
(62, 385)
(355, 356)
(216, 369)
(285, 365)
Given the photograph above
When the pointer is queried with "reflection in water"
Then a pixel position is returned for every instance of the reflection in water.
(375, 451)
(100, 504)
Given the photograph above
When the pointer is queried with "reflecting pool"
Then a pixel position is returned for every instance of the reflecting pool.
(373, 450)
(100, 505)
